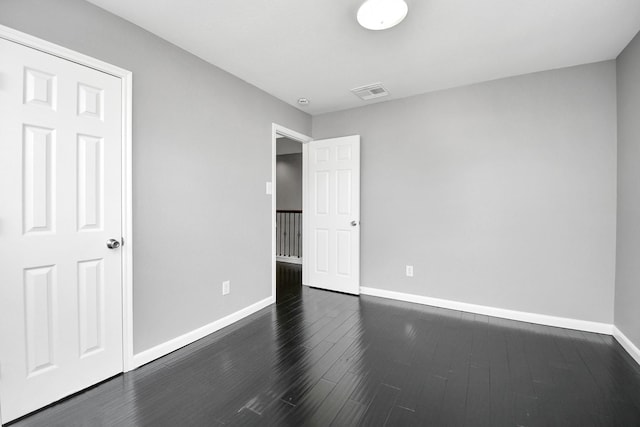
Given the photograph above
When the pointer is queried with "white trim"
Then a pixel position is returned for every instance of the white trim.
(127, 179)
(522, 316)
(626, 343)
(306, 207)
(276, 130)
(190, 337)
(61, 52)
(289, 259)
(127, 223)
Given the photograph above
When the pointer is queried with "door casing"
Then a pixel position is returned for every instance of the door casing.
(126, 78)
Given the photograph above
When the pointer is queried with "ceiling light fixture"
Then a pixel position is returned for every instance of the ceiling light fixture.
(382, 14)
(303, 101)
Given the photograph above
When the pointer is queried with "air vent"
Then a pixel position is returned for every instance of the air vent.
(371, 91)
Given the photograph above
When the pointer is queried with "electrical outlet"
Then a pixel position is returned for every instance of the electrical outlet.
(226, 287)
(409, 270)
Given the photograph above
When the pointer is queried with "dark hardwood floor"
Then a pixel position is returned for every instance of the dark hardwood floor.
(318, 358)
(288, 281)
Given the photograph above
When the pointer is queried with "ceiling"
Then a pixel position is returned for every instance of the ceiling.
(316, 49)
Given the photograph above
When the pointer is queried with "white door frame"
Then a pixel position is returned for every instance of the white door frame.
(126, 78)
(303, 139)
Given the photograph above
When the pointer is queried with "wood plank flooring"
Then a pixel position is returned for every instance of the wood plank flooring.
(318, 358)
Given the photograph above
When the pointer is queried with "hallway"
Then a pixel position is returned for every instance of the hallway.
(288, 281)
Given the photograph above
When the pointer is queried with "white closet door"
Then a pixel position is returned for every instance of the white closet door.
(60, 202)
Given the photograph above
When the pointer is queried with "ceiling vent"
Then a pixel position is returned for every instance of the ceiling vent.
(372, 91)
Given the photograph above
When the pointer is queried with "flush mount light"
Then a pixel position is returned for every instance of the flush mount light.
(382, 14)
(303, 101)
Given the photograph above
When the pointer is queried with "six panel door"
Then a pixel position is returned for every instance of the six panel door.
(60, 201)
(334, 214)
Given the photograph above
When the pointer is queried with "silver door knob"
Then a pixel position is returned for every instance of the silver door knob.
(113, 244)
(354, 223)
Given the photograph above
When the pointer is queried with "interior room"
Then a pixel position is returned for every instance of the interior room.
(461, 247)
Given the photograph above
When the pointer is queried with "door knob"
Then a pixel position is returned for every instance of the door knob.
(354, 223)
(113, 244)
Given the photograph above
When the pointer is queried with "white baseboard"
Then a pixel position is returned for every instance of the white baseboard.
(179, 342)
(289, 259)
(627, 344)
(540, 319)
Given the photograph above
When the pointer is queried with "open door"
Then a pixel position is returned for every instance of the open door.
(333, 188)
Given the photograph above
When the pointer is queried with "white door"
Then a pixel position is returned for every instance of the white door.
(333, 179)
(60, 201)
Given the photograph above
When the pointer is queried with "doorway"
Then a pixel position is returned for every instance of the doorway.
(330, 231)
(288, 212)
(288, 217)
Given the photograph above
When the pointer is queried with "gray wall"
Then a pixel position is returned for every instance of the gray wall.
(196, 130)
(289, 182)
(627, 296)
(288, 146)
(500, 194)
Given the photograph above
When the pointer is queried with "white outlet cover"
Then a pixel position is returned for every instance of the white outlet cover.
(226, 287)
(409, 270)
(269, 187)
